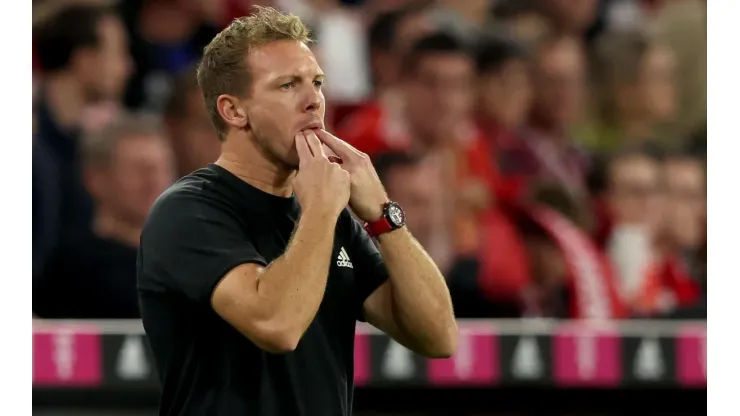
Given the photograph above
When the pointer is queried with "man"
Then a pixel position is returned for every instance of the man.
(251, 272)
(504, 84)
(634, 200)
(504, 101)
(416, 186)
(126, 166)
(677, 281)
(559, 80)
(83, 53)
(390, 36)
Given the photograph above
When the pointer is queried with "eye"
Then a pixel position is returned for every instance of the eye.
(318, 84)
(288, 86)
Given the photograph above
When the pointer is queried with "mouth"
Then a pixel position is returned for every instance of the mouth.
(316, 125)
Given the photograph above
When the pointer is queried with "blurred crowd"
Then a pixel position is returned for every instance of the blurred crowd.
(549, 154)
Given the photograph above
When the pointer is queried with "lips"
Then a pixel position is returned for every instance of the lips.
(316, 125)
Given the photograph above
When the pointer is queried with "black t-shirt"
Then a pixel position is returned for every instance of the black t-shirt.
(202, 227)
(89, 278)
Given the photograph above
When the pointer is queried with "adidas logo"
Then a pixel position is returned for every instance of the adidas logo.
(343, 259)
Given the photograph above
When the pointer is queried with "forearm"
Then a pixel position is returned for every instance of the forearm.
(421, 302)
(292, 286)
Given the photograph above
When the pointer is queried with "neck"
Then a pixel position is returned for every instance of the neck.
(65, 98)
(109, 226)
(241, 156)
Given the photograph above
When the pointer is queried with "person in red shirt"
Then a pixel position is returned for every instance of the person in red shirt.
(675, 281)
(436, 123)
(504, 101)
(390, 36)
(536, 260)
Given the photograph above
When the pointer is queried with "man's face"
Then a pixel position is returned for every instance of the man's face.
(634, 194)
(409, 30)
(285, 97)
(440, 93)
(417, 189)
(108, 66)
(140, 170)
(559, 83)
(658, 83)
(686, 199)
(506, 94)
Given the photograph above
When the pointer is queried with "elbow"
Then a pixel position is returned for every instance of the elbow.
(445, 345)
(282, 344)
(277, 339)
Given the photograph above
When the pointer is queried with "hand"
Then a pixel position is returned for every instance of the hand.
(320, 185)
(367, 193)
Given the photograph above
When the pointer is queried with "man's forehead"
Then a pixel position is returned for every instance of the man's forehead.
(283, 58)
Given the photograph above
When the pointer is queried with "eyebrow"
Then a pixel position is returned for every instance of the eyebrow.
(291, 78)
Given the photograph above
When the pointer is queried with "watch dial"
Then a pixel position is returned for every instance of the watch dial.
(395, 214)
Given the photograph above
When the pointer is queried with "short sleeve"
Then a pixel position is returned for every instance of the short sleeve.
(189, 243)
(370, 270)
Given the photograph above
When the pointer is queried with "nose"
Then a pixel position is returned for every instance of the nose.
(313, 100)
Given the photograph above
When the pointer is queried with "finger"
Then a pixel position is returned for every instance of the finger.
(314, 143)
(341, 148)
(301, 146)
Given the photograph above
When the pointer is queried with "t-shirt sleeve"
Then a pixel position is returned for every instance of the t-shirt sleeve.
(189, 244)
(370, 270)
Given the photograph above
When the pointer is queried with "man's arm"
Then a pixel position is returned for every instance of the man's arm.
(274, 306)
(414, 305)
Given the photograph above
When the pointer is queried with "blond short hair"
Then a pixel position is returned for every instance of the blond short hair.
(223, 69)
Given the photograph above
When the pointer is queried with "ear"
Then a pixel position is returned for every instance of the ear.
(232, 111)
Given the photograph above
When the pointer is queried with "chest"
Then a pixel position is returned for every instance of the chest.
(337, 306)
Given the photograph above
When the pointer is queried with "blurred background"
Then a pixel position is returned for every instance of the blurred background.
(550, 156)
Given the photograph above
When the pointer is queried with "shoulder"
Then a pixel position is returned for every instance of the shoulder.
(193, 199)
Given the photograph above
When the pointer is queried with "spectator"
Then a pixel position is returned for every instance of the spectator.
(82, 52)
(683, 26)
(638, 94)
(634, 207)
(504, 82)
(675, 279)
(127, 166)
(504, 101)
(536, 261)
(167, 36)
(194, 140)
(571, 276)
(415, 185)
(559, 78)
(439, 125)
(390, 36)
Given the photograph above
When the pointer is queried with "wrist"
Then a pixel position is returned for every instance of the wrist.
(378, 212)
(392, 217)
(319, 215)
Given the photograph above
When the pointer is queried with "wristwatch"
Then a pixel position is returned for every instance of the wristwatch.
(393, 218)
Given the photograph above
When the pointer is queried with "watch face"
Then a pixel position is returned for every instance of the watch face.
(396, 215)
